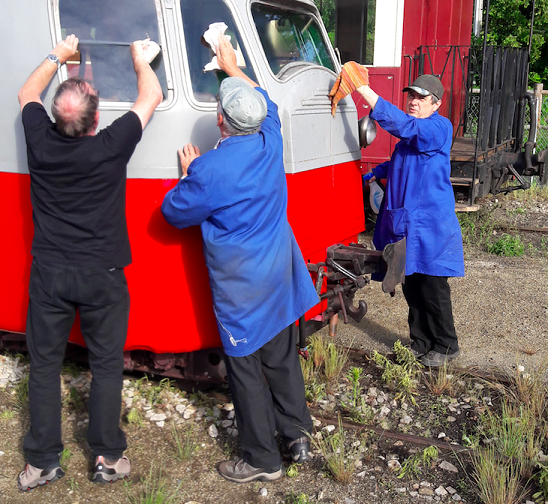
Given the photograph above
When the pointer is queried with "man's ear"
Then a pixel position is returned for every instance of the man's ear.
(437, 105)
(96, 121)
(219, 120)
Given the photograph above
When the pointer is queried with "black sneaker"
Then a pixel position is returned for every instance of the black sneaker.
(108, 471)
(241, 472)
(33, 477)
(298, 450)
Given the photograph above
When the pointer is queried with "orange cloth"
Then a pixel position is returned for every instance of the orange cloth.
(352, 76)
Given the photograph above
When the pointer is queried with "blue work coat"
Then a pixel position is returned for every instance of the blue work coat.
(419, 202)
(237, 194)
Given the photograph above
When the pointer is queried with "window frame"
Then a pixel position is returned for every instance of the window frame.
(184, 63)
(299, 8)
(62, 72)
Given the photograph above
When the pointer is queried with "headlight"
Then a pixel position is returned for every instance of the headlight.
(367, 131)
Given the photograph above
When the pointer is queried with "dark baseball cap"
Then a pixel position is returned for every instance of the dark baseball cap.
(425, 85)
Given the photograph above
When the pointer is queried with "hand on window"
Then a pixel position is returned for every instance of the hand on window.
(226, 57)
(186, 155)
(66, 48)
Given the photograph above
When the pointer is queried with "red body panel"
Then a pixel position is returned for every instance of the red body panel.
(426, 23)
(171, 309)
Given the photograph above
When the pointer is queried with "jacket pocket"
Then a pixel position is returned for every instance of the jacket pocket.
(395, 223)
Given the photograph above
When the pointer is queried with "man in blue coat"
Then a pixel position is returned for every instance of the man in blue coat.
(419, 204)
(260, 284)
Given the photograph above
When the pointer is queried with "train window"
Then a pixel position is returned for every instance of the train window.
(197, 16)
(355, 30)
(106, 29)
(290, 38)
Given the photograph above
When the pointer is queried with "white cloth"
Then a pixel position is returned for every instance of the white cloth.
(211, 36)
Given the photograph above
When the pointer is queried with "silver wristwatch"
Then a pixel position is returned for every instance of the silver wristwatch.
(54, 59)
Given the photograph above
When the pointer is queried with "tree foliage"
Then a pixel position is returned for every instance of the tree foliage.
(510, 25)
(327, 10)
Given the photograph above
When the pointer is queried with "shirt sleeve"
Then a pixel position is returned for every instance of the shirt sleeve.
(35, 121)
(125, 132)
(381, 171)
(425, 135)
(186, 204)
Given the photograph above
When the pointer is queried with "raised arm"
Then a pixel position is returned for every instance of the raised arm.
(226, 58)
(148, 86)
(41, 77)
(368, 95)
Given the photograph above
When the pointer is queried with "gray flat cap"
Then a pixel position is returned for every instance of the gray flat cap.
(243, 106)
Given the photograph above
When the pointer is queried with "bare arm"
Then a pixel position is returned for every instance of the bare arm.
(148, 86)
(41, 77)
(226, 58)
(369, 95)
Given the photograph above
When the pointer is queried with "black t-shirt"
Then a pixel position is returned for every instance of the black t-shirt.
(78, 191)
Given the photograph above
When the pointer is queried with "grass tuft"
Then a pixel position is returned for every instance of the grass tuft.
(341, 452)
(156, 489)
(184, 443)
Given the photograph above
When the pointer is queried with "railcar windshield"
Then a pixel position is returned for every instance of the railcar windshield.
(290, 38)
(197, 16)
(106, 29)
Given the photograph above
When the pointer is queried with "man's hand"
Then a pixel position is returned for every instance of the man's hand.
(137, 49)
(148, 87)
(66, 48)
(226, 57)
(186, 155)
(41, 77)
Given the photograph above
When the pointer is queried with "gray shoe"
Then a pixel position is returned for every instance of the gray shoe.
(241, 472)
(298, 450)
(33, 477)
(108, 471)
(416, 353)
(437, 359)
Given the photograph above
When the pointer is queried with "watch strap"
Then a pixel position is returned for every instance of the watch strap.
(54, 59)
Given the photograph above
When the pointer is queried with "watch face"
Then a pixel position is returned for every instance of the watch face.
(53, 58)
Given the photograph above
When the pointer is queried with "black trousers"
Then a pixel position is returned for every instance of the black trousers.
(102, 298)
(267, 389)
(430, 319)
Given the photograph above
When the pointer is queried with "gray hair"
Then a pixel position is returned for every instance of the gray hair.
(229, 128)
(434, 99)
(74, 107)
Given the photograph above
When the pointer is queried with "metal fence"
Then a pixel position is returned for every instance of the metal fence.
(542, 135)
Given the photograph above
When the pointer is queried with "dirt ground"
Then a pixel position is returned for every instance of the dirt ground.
(501, 316)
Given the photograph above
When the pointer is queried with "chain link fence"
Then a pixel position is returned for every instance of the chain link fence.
(542, 134)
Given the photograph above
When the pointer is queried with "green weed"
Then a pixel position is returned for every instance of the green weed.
(134, 417)
(497, 479)
(292, 471)
(7, 414)
(401, 375)
(73, 484)
(324, 366)
(542, 480)
(155, 489)
(66, 454)
(507, 245)
(357, 408)
(300, 498)
(22, 392)
(412, 467)
(340, 451)
(184, 443)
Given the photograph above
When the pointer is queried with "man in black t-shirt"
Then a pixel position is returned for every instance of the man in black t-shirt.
(80, 247)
